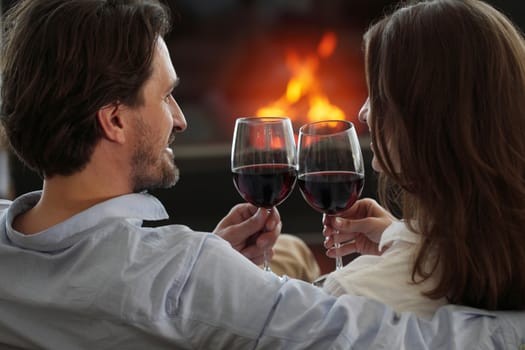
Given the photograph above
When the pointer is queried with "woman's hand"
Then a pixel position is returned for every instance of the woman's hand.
(360, 228)
(251, 230)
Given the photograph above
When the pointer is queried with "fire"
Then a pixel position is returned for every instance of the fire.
(304, 84)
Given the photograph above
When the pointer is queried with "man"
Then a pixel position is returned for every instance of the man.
(87, 103)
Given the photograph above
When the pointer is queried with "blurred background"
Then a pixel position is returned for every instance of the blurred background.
(242, 58)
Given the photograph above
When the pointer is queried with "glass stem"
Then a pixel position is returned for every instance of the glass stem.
(266, 263)
(338, 258)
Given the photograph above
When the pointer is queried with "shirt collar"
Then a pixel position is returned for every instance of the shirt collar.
(135, 207)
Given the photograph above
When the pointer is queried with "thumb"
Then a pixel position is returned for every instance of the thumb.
(248, 227)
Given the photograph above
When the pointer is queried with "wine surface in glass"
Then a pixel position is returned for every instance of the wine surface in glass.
(264, 185)
(331, 192)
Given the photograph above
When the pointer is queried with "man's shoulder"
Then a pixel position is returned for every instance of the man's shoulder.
(4, 203)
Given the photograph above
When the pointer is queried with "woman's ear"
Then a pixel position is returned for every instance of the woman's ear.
(111, 122)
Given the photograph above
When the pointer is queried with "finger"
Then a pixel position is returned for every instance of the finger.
(249, 226)
(253, 252)
(341, 238)
(335, 235)
(259, 260)
(244, 210)
(272, 220)
(262, 240)
(365, 207)
(367, 225)
(329, 231)
(343, 250)
(364, 246)
(237, 214)
(267, 239)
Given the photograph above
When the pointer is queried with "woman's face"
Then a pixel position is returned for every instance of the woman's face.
(366, 117)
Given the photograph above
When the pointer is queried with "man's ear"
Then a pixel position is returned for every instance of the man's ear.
(111, 122)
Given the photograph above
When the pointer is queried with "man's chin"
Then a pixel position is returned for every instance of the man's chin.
(167, 180)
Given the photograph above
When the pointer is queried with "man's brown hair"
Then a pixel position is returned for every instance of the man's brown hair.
(62, 60)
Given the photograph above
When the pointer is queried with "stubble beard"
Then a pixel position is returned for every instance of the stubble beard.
(148, 174)
(151, 170)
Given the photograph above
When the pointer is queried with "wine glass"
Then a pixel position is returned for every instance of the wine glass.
(330, 172)
(263, 161)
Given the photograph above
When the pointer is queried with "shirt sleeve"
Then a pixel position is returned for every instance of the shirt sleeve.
(386, 278)
(229, 303)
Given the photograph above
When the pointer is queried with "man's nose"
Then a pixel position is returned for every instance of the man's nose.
(179, 121)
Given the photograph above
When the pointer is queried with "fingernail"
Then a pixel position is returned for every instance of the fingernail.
(339, 221)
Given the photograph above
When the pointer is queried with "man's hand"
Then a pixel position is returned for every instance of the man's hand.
(251, 230)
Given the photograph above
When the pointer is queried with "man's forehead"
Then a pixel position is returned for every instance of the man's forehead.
(163, 69)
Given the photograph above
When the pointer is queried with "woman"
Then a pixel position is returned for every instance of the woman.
(446, 113)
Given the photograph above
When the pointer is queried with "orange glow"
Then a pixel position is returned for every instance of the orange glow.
(304, 84)
(277, 143)
(327, 45)
(322, 109)
(261, 138)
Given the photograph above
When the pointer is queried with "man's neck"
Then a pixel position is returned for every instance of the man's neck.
(64, 196)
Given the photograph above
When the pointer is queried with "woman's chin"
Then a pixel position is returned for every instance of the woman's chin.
(375, 165)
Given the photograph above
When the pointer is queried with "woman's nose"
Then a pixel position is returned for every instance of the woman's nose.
(363, 112)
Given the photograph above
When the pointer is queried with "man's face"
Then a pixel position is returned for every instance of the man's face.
(157, 120)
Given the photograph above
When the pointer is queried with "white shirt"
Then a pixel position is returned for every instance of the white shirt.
(387, 277)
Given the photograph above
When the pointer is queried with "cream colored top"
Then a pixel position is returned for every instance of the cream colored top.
(387, 277)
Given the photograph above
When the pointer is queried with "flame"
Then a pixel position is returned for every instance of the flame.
(327, 45)
(263, 138)
(304, 84)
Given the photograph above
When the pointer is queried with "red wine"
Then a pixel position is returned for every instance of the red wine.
(264, 185)
(331, 192)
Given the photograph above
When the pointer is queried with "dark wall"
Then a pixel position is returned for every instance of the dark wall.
(513, 8)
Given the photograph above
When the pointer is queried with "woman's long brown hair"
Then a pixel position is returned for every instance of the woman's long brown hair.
(446, 82)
